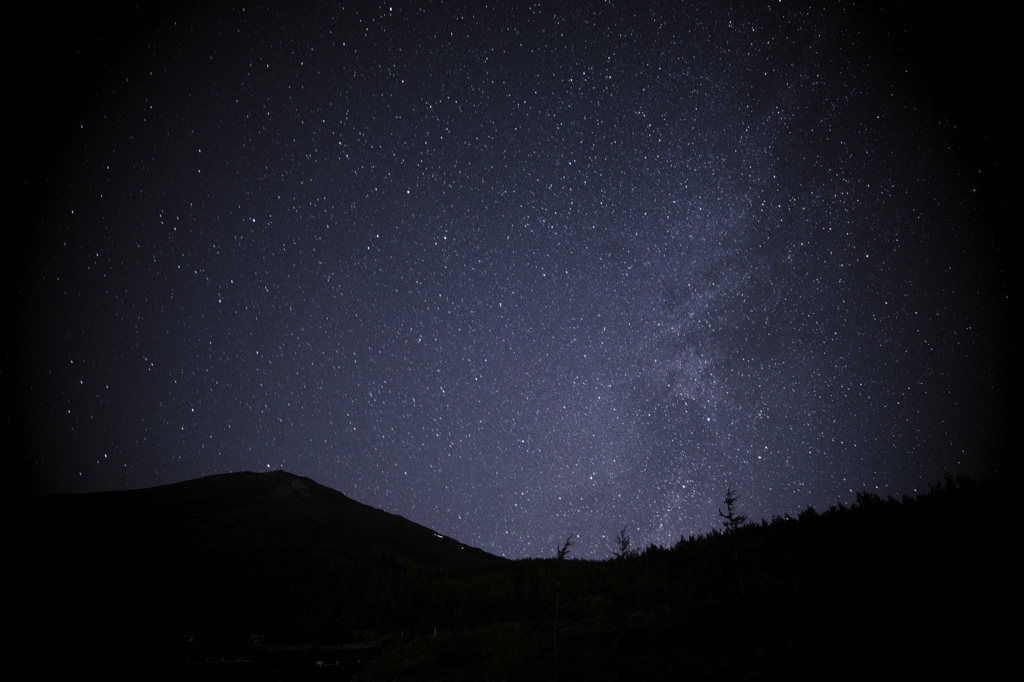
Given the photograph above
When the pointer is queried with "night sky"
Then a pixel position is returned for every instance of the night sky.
(512, 273)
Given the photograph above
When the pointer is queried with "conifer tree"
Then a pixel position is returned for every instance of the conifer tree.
(733, 519)
(623, 541)
(564, 549)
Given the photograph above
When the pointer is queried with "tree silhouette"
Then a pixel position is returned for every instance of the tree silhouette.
(622, 540)
(733, 519)
(564, 549)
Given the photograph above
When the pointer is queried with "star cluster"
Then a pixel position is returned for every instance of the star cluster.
(512, 272)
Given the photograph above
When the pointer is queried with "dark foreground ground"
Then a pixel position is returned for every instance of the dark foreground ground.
(890, 589)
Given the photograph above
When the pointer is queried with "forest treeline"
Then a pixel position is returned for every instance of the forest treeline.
(905, 584)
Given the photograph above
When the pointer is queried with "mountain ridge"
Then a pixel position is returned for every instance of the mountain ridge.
(245, 511)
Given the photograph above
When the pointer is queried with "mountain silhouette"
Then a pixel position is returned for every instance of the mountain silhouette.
(127, 571)
(247, 511)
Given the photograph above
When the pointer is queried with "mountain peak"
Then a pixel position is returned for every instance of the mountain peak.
(244, 510)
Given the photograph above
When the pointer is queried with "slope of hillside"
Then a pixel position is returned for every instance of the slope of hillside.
(132, 571)
(239, 511)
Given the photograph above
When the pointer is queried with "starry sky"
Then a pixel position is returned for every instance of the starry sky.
(512, 270)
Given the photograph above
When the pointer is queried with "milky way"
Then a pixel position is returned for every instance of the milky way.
(512, 273)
